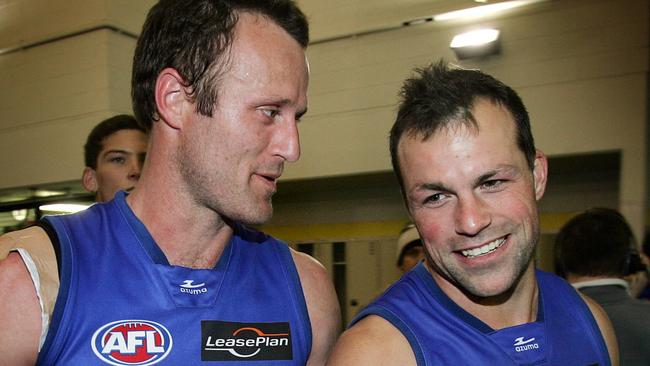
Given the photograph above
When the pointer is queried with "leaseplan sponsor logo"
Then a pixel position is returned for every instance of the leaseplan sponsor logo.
(229, 341)
(132, 342)
(189, 287)
(522, 345)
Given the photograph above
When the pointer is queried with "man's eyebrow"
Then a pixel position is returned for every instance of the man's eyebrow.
(432, 186)
(490, 174)
(486, 176)
(119, 151)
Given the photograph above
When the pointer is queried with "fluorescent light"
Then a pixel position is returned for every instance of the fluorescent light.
(483, 10)
(475, 38)
(48, 193)
(64, 207)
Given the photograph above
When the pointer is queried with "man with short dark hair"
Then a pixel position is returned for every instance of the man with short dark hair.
(464, 155)
(114, 153)
(172, 273)
(594, 251)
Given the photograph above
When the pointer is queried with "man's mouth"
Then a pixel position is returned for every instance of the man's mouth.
(484, 249)
(270, 178)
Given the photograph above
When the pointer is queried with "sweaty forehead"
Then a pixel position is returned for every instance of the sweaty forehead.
(265, 62)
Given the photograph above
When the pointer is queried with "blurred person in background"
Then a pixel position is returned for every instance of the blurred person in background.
(596, 252)
(409, 248)
(114, 153)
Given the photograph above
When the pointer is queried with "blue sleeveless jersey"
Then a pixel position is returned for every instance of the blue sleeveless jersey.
(441, 333)
(121, 303)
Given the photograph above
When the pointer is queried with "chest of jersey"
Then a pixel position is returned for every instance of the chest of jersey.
(121, 304)
(442, 333)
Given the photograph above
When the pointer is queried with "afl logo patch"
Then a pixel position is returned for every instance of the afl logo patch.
(229, 341)
(132, 342)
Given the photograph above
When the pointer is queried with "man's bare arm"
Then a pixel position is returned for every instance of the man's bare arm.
(372, 341)
(606, 329)
(322, 304)
(20, 314)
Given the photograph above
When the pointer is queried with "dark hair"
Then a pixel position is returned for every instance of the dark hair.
(597, 242)
(409, 250)
(645, 248)
(193, 37)
(439, 95)
(95, 141)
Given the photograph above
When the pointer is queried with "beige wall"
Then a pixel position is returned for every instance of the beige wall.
(54, 93)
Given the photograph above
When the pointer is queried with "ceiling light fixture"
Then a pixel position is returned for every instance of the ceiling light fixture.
(476, 43)
(483, 10)
(63, 207)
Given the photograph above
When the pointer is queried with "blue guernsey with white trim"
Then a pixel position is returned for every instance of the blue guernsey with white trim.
(441, 333)
(122, 303)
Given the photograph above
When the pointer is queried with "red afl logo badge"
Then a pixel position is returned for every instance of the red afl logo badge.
(132, 342)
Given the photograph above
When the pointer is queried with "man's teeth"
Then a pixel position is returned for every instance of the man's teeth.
(485, 249)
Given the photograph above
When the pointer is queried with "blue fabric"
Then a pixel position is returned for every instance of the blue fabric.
(441, 333)
(119, 294)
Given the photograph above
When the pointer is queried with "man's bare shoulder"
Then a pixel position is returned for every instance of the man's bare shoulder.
(20, 315)
(372, 341)
(606, 328)
(322, 304)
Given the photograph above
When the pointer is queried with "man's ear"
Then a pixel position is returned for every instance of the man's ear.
(89, 180)
(540, 174)
(171, 98)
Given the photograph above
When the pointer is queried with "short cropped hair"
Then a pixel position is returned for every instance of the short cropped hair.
(194, 37)
(597, 242)
(439, 95)
(95, 141)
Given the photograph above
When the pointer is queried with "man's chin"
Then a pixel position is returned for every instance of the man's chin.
(258, 217)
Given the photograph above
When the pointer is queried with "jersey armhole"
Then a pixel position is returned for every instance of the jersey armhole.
(402, 327)
(54, 239)
(291, 270)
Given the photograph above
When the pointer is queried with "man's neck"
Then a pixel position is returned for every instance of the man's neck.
(515, 307)
(188, 234)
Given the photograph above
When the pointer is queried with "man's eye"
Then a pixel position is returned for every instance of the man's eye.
(271, 113)
(492, 184)
(434, 198)
(117, 160)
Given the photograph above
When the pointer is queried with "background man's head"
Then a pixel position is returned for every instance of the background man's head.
(194, 38)
(439, 95)
(409, 248)
(113, 154)
(596, 243)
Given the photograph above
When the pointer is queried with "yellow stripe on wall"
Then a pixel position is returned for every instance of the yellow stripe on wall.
(314, 233)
